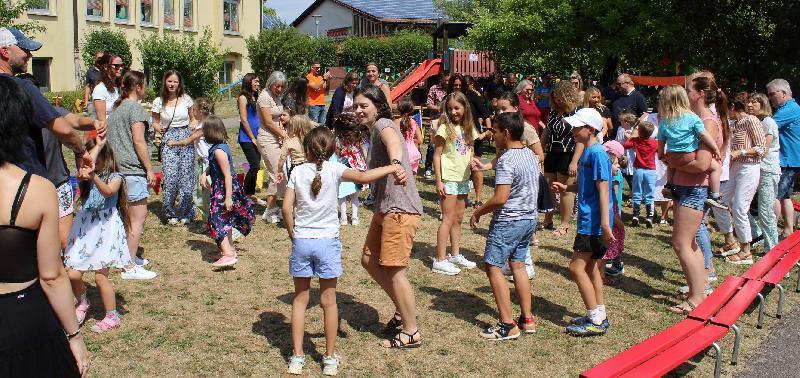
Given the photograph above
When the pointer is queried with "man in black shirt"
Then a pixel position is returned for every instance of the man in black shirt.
(629, 100)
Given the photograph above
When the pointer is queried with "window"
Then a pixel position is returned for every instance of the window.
(39, 6)
(188, 19)
(94, 8)
(121, 12)
(169, 13)
(226, 74)
(230, 15)
(41, 72)
(146, 9)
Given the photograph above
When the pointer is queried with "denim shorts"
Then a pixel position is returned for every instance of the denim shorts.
(316, 257)
(508, 240)
(786, 184)
(693, 197)
(137, 188)
(456, 188)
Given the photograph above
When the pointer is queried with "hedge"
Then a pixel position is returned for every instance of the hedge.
(396, 52)
(105, 40)
(70, 98)
(283, 48)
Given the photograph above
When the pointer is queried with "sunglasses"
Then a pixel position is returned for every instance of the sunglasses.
(118, 66)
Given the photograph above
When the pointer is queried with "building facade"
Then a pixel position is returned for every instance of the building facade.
(58, 68)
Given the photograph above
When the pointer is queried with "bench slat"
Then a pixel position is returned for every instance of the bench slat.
(764, 264)
(781, 269)
(729, 314)
(717, 299)
(645, 350)
(679, 353)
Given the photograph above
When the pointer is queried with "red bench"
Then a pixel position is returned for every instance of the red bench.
(779, 272)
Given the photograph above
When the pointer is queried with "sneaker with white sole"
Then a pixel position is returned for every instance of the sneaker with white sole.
(138, 273)
(330, 365)
(140, 261)
(355, 222)
(296, 364)
(501, 331)
(428, 175)
(271, 215)
(445, 267)
(172, 221)
(461, 261)
(81, 309)
(685, 289)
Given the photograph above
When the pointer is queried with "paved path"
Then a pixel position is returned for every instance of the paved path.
(779, 354)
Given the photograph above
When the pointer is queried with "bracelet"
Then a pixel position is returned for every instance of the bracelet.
(71, 336)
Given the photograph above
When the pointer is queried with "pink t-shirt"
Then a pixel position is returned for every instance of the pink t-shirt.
(699, 179)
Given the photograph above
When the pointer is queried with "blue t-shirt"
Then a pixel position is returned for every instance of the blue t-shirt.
(682, 133)
(253, 120)
(542, 90)
(96, 201)
(593, 165)
(787, 116)
(618, 179)
(518, 167)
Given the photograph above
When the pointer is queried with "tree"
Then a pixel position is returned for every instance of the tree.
(105, 39)
(283, 48)
(199, 62)
(10, 12)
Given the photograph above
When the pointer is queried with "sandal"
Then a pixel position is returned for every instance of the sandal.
(393, 324)
(679, 309)
(545, 226)
(477, 204)
(728, 249)
(398, 343)
(738, 260)
(561, 231)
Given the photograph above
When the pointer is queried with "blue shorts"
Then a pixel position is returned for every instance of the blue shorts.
(456, 188)
(316, 257)
(786, 183)
(508, 240)
(693, 197)
(137, 188)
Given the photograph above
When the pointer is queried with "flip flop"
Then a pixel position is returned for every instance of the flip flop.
(560, 231)
(678, 309)
(736, 260)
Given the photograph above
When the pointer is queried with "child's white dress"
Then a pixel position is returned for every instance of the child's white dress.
(98, 240)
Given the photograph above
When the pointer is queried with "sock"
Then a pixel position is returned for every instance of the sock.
(354, 202)
(602, 309)
(343, 209)
(112, 314)
(650, 210)
(596, 316)
(714, 195)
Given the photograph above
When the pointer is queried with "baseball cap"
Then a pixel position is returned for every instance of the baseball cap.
(13, 36)
(586, 117)
(614, 147)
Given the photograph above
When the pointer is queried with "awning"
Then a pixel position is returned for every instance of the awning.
(658, 81)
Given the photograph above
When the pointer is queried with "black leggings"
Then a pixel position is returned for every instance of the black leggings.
(254, 160)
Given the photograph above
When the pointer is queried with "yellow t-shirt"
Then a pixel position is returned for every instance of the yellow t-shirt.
(315, 96)
(455, 155)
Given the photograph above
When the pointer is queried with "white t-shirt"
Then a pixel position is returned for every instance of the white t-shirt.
(100, 92)
(316, 217)
(177, 116)
(201, 147)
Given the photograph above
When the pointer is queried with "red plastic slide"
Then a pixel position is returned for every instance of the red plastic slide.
(428, 68)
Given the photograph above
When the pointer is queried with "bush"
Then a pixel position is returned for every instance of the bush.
(397, 52)
(286, 49)
(105, 40)
(68, 99)
(199, 62)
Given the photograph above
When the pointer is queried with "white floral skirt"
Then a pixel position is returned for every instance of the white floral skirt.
(97, 241)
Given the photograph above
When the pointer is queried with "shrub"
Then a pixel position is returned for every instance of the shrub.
(68, 99)
(397, 52)
(198, 61)
(286, 49)
(105, 40)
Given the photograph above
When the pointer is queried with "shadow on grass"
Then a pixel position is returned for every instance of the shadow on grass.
(278, 331)
(360, 316)
(627, 284)
(96, 311)
(424, 252)
(209, 251)
(464, 306)
(542, 308)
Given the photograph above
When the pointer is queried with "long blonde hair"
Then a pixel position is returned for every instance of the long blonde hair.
(587, 98)
(673, 102)
(467, 123)
(299, 126)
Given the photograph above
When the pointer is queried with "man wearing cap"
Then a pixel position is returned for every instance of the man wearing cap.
(595, 219)
(15, 51)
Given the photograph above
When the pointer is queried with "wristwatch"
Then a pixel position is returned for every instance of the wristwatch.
(395, 161)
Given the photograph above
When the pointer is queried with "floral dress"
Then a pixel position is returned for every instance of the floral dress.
(618, 229)
(98, 239)
(221, 221)
(351, 156)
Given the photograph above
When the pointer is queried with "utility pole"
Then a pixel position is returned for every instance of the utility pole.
(316, 21)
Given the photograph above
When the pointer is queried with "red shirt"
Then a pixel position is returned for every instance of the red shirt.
(645, 149)
(531, 113)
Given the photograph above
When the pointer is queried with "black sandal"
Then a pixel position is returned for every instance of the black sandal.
(393, 324)
(397, 343)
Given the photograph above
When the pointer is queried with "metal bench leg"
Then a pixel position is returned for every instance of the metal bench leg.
(737, 337)
(760, 311)
(797, 288)
(718, 365)
(781, 293)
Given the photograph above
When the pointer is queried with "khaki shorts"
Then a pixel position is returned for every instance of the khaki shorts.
(390, 238)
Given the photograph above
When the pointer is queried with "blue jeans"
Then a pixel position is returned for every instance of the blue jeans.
(703, 240)
(643, 185)
(317, 113)
(509, 240)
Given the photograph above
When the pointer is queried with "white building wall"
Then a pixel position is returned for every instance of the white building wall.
(334, 16)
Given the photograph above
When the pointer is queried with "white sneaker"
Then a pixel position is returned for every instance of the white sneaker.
(271, 215)
(509, 276)
(685, 289)
(445, 267)
(138, 273)
(461, 261)
(140, 261)
(343, 221)
(428, 175)
(355, 222)
(172, 221)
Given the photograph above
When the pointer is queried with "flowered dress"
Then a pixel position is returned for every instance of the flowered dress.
(353, 157)
(98, 239)
(221, 221)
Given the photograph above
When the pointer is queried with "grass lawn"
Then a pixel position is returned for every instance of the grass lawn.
(195, 321)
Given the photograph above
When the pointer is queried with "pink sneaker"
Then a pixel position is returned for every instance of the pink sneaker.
(108, 323)
(225, 260)
(81, 310)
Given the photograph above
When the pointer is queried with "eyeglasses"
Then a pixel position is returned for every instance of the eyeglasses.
(118, 66)
(316, 67)
(528, 90)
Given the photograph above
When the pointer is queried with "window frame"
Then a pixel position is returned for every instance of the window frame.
(174, 24)
(237, 14)
(192, 28)
(48, 84)
(149, 24)
(49, 11)
(124, 21)
(227, 74)
(91, 17)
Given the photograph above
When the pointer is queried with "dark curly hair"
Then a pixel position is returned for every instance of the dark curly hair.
(378, 99)
(16, 111)
(348, 130)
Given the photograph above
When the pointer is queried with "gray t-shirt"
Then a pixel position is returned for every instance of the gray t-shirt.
(56, 167)
(518, 167)
(120, 136)
(771, 162)
(390, 197)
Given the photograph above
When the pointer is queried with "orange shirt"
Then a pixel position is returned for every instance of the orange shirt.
(315, 96)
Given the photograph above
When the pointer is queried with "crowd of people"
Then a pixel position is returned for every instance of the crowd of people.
(558, 148)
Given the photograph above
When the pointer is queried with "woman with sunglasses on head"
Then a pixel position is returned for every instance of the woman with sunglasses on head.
(106, 92)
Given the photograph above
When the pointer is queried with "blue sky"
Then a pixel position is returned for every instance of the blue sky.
(288, 10)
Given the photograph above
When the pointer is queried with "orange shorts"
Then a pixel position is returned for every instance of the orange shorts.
(390, 238)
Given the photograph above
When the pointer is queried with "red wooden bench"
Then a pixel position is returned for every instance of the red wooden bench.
(764, 264)
(779, 272)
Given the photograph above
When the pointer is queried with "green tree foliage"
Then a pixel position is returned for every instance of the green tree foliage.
(283, 48)
(104, 39)
(11, 10)
(198, 61)
(398, 51)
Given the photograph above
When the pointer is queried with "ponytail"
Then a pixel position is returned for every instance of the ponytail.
(405, 107)
(712, 94)
(316, 184)
(129, 82)
(318, 145)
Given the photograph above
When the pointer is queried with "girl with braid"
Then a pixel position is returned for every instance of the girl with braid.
(310, 210)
